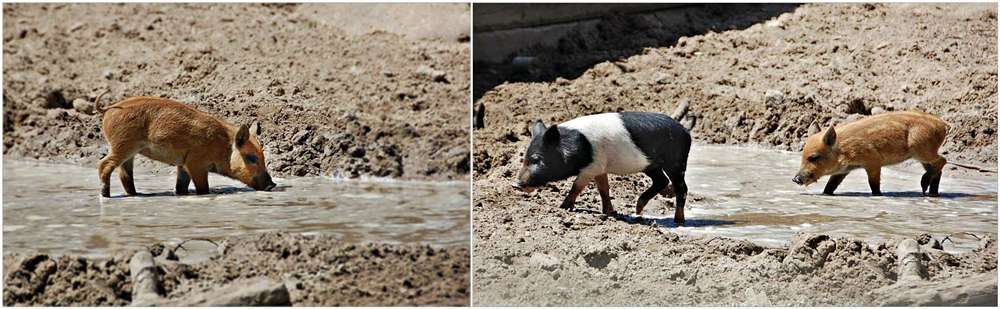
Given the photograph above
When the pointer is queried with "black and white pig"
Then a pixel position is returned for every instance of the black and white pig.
(593, 146)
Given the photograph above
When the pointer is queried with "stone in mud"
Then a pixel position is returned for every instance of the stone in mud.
(808, 252)
(773, 98)
(432, 74)
(245, 292)
(544, 261)
(83, 106)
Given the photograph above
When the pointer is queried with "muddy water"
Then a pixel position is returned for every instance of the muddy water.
(748, 193)
(57, 209)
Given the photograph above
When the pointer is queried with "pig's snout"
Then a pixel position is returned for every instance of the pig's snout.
(265, 183)
(803, 178)
(521, 187)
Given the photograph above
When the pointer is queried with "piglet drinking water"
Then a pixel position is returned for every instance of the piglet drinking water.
(174, 133)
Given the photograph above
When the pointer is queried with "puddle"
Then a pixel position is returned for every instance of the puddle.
(57, 209)
(751, 196)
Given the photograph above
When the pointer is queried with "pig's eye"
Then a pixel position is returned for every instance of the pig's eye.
(252, 159)
(814, 158)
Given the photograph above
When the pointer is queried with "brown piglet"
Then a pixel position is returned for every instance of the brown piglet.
(871, 143)
(177, 134)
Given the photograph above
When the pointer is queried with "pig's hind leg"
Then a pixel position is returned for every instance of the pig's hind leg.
(932, 177)
(680, 194)
(660, 182)
(125, 175)
(116, 156)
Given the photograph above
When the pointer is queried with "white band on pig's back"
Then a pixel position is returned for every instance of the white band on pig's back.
(613, 149)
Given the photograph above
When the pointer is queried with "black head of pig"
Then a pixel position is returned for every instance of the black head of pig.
(554, 154)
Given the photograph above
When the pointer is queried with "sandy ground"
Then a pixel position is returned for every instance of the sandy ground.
(332, 102)
(770, 84)
(363, 101)
(315, 270)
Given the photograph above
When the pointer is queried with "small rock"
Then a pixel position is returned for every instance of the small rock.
(877, 110)
(76, 27)
(108, 74)
(432, 74)
(773, 97)
(562, 81)
(660, 78)
(545, 261)
(83, 106)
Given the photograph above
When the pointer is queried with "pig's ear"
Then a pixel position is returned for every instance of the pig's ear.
(537, 128)
(551, 135)
(242, 135)
(256, 129)
(830, 138)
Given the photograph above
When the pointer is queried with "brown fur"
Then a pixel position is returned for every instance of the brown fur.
(174, 133)
(873, 142)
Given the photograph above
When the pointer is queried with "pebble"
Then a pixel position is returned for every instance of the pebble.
(83, 106)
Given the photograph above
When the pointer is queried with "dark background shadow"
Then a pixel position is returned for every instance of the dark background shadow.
(620, 32)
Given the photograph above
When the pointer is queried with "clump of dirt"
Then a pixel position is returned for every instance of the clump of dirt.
(330, 103)
(772, 84)
(315, 270)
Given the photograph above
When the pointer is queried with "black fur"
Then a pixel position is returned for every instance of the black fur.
(560, 153)
(664, 141)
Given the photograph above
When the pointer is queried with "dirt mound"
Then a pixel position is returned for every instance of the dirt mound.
(771, 84)
(315, 270)
(375, 104)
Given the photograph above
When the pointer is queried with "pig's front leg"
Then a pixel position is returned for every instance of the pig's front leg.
(834, 182)
(183, 180)
(602, 186)
(579, 184)
(199, 175)
(874, 179)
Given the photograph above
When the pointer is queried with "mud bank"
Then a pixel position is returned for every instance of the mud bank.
(770, 84)
(331, 102)
(313, 270)
(534, 254)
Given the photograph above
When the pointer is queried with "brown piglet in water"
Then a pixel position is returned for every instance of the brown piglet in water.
(871, 143)
(179, 135)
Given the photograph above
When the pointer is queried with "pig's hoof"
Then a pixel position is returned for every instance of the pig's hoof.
(933, 195)
(679, 222)
(876, 193)
(566, 206)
